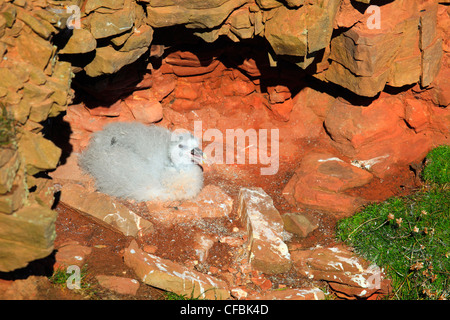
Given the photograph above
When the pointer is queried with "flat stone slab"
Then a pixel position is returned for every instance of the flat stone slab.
(267, 251)
(104, 209)
(171, 276)
(347, 274)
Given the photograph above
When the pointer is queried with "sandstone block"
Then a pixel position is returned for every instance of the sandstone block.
(431, 62)
(405, 71)
(319, 20)
(81, 41)
(103, 209)
(417, 114)
(72, 254)
(41, 53)
(141, 38)
(364, 86)
(440, 92)
(299, 223)
(118, 284)
(267, 251)
(41, 27)
(108, 61)
(92, 5)
(383, 143)
(428, 22)
(319, 181)
(286, 32)
(9, 13)
(342, 270)
(171, 276)
(38, 153)
(194, 15)
(106, 25)
(26, 235)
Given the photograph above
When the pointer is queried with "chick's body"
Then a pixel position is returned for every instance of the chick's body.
(132, 160)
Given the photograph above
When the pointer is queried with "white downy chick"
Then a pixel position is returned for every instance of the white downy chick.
(134, 161)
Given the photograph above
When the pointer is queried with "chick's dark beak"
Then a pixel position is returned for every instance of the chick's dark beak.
(198, 156)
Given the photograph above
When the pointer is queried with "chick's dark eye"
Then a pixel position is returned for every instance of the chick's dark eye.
(180, 146)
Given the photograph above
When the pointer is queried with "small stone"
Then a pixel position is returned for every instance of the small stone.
(119, 284)
(232, 241)
(201, 245)
(214, 270)
(262, 282)
(72, 254)
(299, 224)
(239, 293)
(150, 248)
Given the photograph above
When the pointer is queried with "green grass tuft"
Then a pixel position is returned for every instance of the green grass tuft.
(437, 169)
(409, 236)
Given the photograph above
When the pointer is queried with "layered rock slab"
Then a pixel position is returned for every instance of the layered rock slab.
(267, 251)
(26, 235)
(321, 179)
(173, 277)
(347, 274)
(104, 209)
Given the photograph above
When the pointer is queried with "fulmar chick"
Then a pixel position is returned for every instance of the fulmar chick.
(134, 161)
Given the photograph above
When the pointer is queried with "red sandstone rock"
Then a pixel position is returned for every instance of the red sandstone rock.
(104, 209)
(267, 251)
(416, 114)
(320, 180)
(342, 270)
(144, 110)
(26, 289)
(70, 172)
(71, 254)
(211, 202)
(118, 284)
(384, 142)
(300, 224)
(278, 94)
(441, 85)
(282, 110)
(113, 110)
(168, 275)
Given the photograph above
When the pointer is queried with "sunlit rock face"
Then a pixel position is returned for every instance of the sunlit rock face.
(367, 85)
